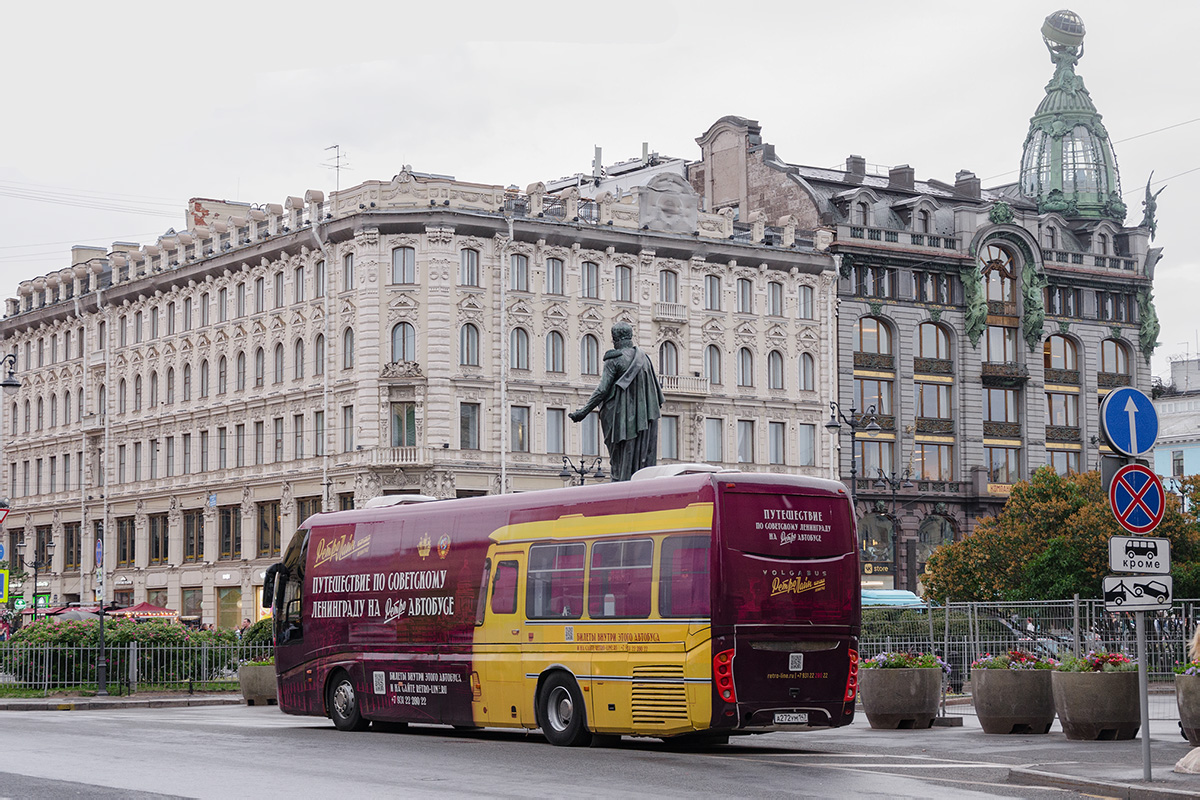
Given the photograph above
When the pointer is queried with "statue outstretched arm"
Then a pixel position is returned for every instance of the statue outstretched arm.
(607, 379)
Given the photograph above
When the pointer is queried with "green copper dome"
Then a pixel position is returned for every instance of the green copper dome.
(1068, 164)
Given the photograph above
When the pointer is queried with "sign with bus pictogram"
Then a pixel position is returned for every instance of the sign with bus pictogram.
(1139, 554)
(1137, 498)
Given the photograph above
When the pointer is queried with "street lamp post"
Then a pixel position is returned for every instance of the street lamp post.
(37, 565)
(1175, 484)
(855, 422)
(894, 482)
(584, 470)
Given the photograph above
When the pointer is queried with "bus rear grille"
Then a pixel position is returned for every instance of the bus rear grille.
(659, 695)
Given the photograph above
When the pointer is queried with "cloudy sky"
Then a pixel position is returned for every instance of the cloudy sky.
(117, 113)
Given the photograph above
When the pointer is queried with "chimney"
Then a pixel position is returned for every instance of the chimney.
(856, 165)
(902, 177)
(965, 183)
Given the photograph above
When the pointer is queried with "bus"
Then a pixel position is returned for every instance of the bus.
(696, 605)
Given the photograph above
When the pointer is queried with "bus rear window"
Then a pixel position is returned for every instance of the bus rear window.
(684, 584)
(621, 578)
(555, 581)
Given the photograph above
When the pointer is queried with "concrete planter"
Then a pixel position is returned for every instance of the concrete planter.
(900, 698)
(1097, 705)
(258, 684)
(1187, 697)
(1013, 700)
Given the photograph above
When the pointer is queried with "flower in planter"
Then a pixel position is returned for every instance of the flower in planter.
(902, 660)
(1098, 661)
(1014, 659)
(1190, 668)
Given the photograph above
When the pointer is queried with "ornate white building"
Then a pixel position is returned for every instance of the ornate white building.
(198, 398)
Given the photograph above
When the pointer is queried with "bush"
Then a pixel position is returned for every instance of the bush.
(260, 632)
(1098, 661)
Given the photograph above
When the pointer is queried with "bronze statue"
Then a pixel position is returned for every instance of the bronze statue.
(630, 399)
(1151, 206)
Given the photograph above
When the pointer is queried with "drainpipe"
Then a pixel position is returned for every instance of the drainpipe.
(326, 505)
(505, 414)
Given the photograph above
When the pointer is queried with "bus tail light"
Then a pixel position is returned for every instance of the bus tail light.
(723, 675)
(476, 688)
(852, 677)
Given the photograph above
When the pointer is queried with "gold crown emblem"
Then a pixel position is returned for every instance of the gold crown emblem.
(424, 546)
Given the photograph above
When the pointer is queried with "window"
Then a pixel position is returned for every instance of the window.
(298, 359)
(519, 273)
(1062, 408)
(170, 385)
(348, 348)
(125, 540)
(922, 221)
(229, 525)
(745, 441)
(240, 381)
(468, 273)
(72, 546)
(1001, 344)
(298, 284)
(745, 370)
(259, 442)
(53, 410)
(874, 336)
(519, 429)
(277, 291)
(204, 304)
(933, 462)
(404, 424)
(260, 295)
(1064, 462)
(1000, 405)
(204, 451)
(712, 292)
(873, 456)
(589, 355)
(556, 421)
(277, 364)
(714, 432)
(806, 441)
(468, 426)
(318, 433)
(187, 382)
(775, 299)
(555, 588)
(745, 296)
(404, 342)
(518, 357)
(683, 589)
(668, 286)
(204, 379)
(591, 280)
(277, 439)
(468, 346)
(260, 367)
(862, 214)
(589, 434)
(222, 448)
(348, 278)
(171, 318)
(1177, 463)
(932, 287)
(347, 428)
(1059, 353)
(808, 370)
(193, 535)
(873, 393)
(306, 507)
(1062, 301)
(668, 436)
(1114, 358)
(159, 539)
(623, 284)
(504, 588)
(555, 353)
(319, 279)
(620, 579)
(712, 364)
(775, 369)
(187, 313)
(268, 529)
(222, 375)
(222, 304)
(239, 435)
(554, 276)
(668, 359)
(122, 336)
(932, 400)
(1003, 466)
(998, 274)
(298, 436)
(873, 280)
(137, 464)
(319, 355)
(932, 341)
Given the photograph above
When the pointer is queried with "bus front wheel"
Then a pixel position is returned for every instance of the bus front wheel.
(563, 718)
(343, 705)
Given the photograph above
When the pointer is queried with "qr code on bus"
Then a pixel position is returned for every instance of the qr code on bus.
(569, 633)
(795, 662)
(380, 680)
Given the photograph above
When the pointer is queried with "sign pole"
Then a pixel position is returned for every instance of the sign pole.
(1143, 692)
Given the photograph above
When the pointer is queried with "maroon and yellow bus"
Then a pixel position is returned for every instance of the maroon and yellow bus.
(706, 604)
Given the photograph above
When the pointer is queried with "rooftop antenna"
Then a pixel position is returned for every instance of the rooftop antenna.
(337, 166)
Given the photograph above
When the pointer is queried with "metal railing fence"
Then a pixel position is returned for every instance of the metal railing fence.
(963, 632)
(131, 667)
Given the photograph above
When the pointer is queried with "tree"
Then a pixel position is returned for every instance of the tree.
(1051, 540)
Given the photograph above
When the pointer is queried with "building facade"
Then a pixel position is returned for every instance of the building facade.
(191, 402)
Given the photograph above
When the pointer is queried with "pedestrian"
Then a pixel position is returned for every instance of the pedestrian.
(241, 631)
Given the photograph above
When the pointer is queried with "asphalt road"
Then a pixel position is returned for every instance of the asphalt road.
(257, 752)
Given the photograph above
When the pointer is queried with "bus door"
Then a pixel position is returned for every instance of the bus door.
(499, 632)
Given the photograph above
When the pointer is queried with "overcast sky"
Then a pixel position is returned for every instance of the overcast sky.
(117, 113)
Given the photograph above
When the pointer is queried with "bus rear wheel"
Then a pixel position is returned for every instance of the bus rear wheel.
(343, 705)
(563, 717)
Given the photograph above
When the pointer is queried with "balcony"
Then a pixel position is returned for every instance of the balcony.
(685, 384)
(1001, 430)
(1063, 433)
(1111, 380)
(880, 361)
(1001, 308)
(933, 366)
(93, 423)
(935, 425)
(670, 312)
(387, 456)
(1004, 374)
(1069, 377)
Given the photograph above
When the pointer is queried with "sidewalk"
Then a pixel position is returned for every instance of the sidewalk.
(146, 700)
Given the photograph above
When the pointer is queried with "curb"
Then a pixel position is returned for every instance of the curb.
(102, 704)
(1023, 776)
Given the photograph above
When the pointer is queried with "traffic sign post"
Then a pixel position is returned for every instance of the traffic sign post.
(1142, 554)
(1128, 421)
(1137, 498)
(1137, 592)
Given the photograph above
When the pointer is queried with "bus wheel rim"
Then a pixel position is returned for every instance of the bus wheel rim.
(562, 708)
(343, 699)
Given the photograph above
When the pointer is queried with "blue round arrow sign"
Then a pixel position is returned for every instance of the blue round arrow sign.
(1129, 421)
(1137, 498)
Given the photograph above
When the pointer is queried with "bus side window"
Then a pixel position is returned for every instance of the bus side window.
(481, 601)
(621, 584)
(555, 581)
(684, 587)
(504, 588)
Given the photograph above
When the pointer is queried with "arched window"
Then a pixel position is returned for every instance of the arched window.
(589, 355)
(278, 363)
(922, 221)
(319, 354)
(712, 364)
(41, 413)
(862, 214)
(404, 265)
(468, 273)
(1114, 358)
(404, 342)
(998, 274)
(137, 393)
(932, 341)
(66, 411)
(775, 369)
(348, 349)
(745, 367)
(468, 346)
(260, 367)
(53, 410)
(1059, 352)
(170, 385)
(874, 336)
(668, 286)
(239, 381)
(668, 359)
(204, 378)
(556, 360)
(933, 532)
(14, 415)
(348, 277)
(518, 355)
(187, 382)
(222, 375)
(298, 360)
(121, 392)
(808, 369)
(101, 400)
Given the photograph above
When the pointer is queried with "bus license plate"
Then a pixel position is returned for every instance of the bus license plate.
(791, 719)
